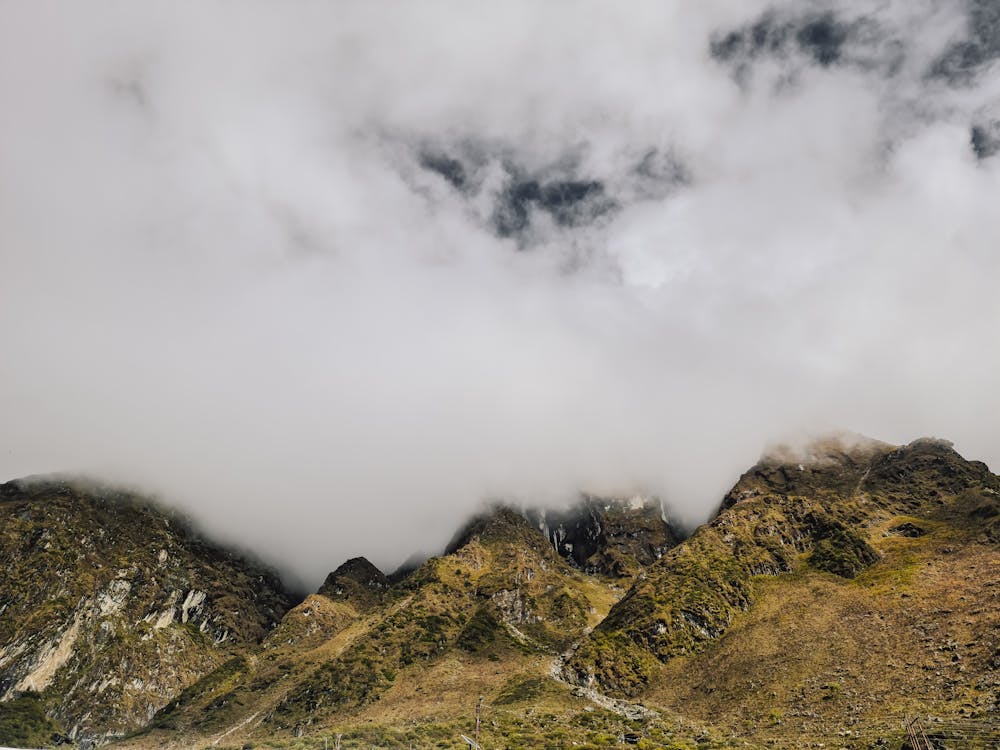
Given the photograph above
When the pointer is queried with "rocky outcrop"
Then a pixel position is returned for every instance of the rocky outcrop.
(356, 581)
(613, 537)
(112, 606)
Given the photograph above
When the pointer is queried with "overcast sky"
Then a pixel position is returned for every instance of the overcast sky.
(328, 275)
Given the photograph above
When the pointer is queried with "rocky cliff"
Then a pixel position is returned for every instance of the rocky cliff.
(110, 606)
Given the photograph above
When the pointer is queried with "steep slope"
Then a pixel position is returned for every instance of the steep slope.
(819, 565)
(356, 581)
(612, 537)
(820, 657)
(500, 603)
(110, 606)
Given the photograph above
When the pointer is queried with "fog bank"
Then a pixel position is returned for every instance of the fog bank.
(329, 275)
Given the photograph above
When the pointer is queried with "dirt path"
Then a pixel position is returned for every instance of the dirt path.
(630, 711)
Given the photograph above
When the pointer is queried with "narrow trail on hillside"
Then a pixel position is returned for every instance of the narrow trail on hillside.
(631, 711)
(232, 729)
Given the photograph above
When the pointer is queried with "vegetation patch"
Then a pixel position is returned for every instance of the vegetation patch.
(479, 632)
(226, 674)
(23, 723)
(622, 666)
(842, 552)
(521, 689)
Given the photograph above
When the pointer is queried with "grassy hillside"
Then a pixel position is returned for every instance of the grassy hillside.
(832, 596)
(824, 656)
(491, 613)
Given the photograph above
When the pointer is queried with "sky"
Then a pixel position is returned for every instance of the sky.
(328, 276)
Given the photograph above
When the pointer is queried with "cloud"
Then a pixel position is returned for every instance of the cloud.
(328, 276)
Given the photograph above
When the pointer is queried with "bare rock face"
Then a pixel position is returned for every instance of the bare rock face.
(110, 606)
(613, 537)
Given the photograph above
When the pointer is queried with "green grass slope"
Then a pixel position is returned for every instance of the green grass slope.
(847, 587)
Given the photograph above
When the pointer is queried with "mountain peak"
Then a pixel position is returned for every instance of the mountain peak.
(501, 523)
(356, 581)
(359, 569)
(614, 536)
(828, 513)
(830, 448)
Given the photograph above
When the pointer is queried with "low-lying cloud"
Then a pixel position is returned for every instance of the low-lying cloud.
(329, 275)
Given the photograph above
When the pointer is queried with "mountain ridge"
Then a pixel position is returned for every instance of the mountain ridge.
(98, 584)
(606, 596)
(784, 521)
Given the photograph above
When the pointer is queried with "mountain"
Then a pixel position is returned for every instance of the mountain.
(840, 589)
(110, 606)
(832, 590)
(356, 581)
(496, 605)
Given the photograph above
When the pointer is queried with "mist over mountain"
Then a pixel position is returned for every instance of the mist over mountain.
(329, 277)
(845, 590)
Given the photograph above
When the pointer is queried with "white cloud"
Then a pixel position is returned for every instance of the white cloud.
(226, 276)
